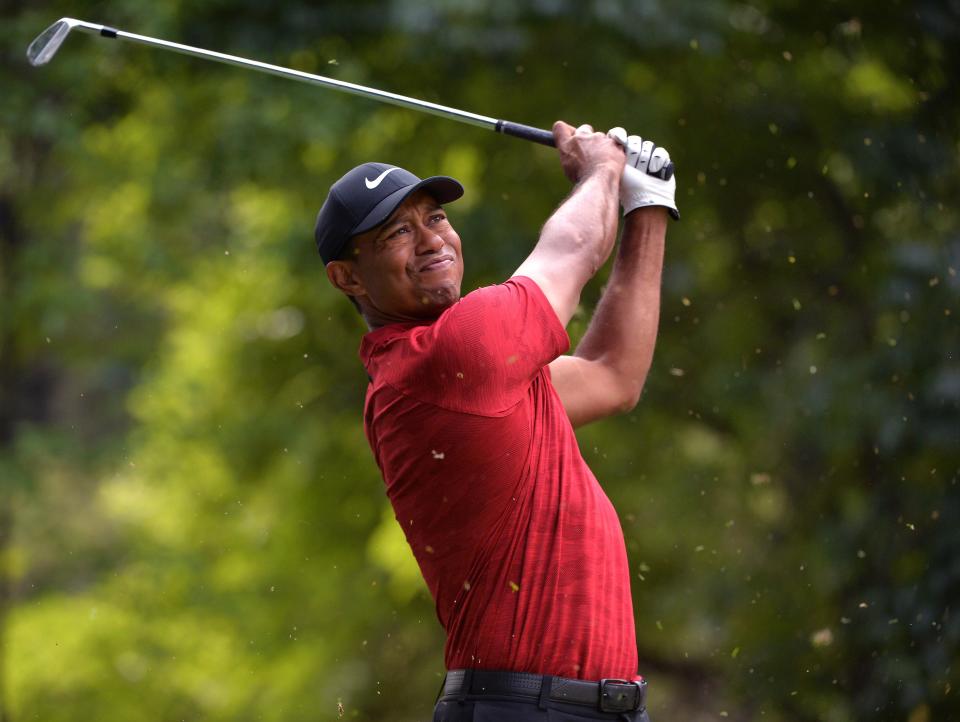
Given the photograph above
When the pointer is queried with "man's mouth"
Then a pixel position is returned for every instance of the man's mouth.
(437, 264)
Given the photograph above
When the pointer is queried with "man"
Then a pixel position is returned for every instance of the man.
(470, 414)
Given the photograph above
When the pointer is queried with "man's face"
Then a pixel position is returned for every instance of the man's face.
(409, 268)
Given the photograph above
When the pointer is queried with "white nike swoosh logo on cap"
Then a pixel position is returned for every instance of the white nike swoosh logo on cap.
(371, 184)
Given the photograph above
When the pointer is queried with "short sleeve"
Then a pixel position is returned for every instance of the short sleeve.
(482, 353)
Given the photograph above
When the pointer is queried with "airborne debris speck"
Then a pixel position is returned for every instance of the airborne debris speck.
(822, 637)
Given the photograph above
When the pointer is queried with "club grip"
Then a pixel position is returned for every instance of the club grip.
(527, 132)
(545, 137)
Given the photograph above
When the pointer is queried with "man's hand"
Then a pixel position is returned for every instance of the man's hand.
(637, 187)
(584, 152)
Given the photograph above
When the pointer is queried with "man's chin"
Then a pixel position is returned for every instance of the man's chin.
(441, 299)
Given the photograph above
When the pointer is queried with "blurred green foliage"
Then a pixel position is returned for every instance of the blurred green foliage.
(191, 524)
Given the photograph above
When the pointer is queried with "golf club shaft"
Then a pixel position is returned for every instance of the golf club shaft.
(45, 46)
(537, 135)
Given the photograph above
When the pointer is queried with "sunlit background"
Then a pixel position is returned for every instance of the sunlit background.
(191, 524)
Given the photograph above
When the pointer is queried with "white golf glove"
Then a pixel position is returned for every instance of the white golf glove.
(637, 187)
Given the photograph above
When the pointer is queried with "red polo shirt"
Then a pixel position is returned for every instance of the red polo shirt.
(519, 546)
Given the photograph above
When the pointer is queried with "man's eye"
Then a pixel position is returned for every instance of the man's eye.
(399, 231)
(437, 217)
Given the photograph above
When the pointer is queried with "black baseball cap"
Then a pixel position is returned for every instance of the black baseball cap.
(366, 197)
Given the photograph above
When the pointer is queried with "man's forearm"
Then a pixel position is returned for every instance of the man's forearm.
(583, 228)
(575, 241)
(623, 331)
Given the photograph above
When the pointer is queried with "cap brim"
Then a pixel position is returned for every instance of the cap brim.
(444, 188)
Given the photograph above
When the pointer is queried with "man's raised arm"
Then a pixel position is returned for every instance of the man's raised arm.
(607, 371)
(577, 239)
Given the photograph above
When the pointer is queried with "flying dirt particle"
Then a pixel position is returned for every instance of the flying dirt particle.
(822, 637)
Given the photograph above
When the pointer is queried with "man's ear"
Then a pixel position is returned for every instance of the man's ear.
(343, 275)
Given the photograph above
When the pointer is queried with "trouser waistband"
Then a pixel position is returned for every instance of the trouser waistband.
(607, 695)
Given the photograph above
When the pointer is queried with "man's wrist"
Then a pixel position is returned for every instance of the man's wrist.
(644, 226)
(645, 221)
(605, 172)
(647, 214)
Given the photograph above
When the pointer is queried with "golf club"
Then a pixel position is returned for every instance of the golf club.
(46, 45)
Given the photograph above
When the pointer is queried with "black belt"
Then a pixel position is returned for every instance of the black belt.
(607, 695)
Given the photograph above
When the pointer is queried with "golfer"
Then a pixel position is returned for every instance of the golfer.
(470, 414)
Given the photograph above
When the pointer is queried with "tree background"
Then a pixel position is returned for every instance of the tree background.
(191, 523)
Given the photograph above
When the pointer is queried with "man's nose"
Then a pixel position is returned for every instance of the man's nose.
(429, 241)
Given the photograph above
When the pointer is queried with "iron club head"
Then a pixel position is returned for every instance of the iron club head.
(46, 44)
